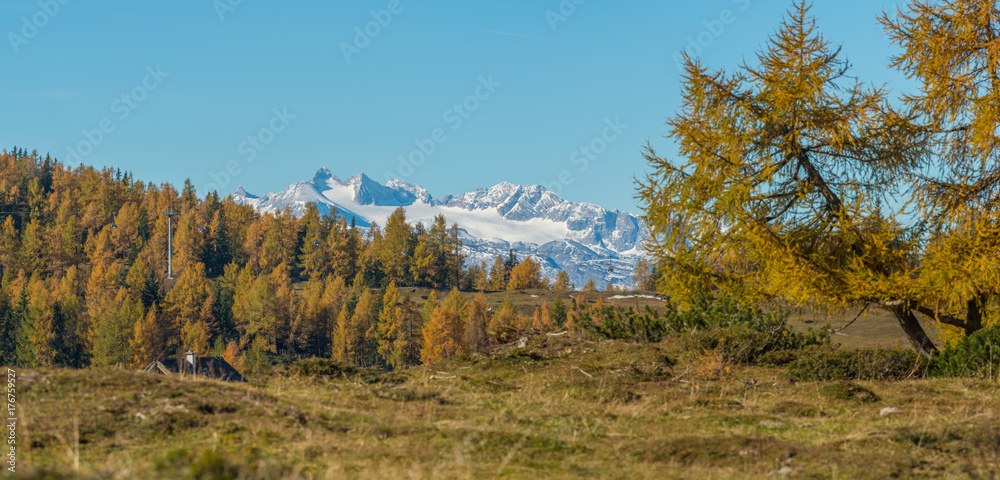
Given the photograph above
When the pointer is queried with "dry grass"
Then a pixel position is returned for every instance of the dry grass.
(560, 408)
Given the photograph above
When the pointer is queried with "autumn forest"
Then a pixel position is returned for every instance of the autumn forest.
(83, 255)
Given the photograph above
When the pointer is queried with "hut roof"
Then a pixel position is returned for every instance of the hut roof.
(211, 367)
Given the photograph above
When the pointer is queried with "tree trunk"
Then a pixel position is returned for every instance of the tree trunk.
(914, 331)
(974, 316)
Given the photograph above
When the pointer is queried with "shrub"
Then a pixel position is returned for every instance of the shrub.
(862, 364)
(976, 355)
(322, 369)
(613, 323)
(742, 334)
(846, 391)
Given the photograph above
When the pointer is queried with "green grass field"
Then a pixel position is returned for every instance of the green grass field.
(561, 407)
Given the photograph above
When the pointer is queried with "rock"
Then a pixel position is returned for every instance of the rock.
(888, 411)
(749, 452)
(772, 424)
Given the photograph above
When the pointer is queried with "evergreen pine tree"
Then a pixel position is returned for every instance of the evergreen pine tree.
(559, 313)
(9, 329)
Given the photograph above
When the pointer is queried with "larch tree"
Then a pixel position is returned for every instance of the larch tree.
(63, 246)
(360, 331)
(477, 278)
(314, 258)
(498, 275)
(249, 307)
(342, 349)
(525, 275)
(953, 50)
(454, 258)
(429, 306)
(392, 338)
(792, 186)
(188, 309)
(264, 307)
(114, 334)
(69, 342)
(188, 242)
(254, 240)
(311, 330)
(504, 324)
(477, 324)
(125, 234)
(9, 243)
(423, 268)
(32, 241)
(101, 248)
(148, 341)
(642, 275)
(412, 330)
(370, 262)
(234, 356)
(219, 244)
(38, 336)
(563, 283)
(444, 334)
(542, 319)
(278, 247)
(394, 252)
(285, 307)
(100, 295)
(9, 327)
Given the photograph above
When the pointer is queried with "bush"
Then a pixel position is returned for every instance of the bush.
(848, 392)
(742, 334)
(977, 355)
(321, 367)
(325, 369)
(862, 364)
(613, 323)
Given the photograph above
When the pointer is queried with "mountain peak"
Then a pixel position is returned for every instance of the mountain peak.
(240, 192)
(417, 191)
(322, 175)
(358, 179)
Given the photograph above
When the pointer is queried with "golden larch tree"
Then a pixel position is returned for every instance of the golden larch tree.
(444, 334)
(792, 184)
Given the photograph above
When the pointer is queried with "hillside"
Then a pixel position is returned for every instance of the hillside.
(559, 408)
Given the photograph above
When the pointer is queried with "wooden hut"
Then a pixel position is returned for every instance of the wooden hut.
(212, 367)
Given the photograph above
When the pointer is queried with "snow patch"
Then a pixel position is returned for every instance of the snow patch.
(625, 297)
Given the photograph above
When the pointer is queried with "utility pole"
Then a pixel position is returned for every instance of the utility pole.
(170, 213)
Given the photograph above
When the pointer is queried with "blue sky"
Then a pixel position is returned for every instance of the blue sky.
(468, 93)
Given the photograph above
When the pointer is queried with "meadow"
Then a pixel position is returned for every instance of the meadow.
(559, 407)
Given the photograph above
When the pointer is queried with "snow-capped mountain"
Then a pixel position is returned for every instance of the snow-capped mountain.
(584, 239)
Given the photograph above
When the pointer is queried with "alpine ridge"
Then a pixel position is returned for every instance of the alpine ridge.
(585, 240)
